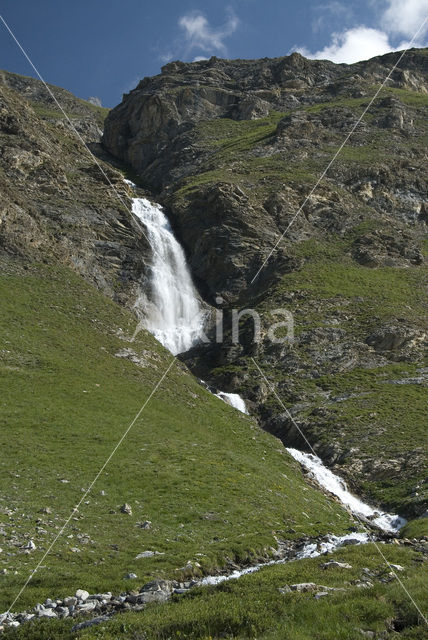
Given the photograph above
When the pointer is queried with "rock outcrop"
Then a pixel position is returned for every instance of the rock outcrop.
(58, 203)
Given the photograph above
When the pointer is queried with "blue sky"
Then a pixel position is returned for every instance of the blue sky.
(103, 47)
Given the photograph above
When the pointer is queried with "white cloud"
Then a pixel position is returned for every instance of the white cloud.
(199, 34)
(352, 45)
(405, 17)
(199, 58)
(398, 17)
(166, 57)
(328, 11)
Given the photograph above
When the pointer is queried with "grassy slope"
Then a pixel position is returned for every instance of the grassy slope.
(45, 107)
(207, 478)
(100, 113)
(253, 607)
(232, 143)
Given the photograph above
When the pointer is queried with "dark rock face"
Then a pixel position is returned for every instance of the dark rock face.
(56, 204)
(150, 128)
(378, 248)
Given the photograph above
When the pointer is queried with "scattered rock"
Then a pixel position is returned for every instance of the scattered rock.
(90, 623)
(148, 554)
(390, 338)
(43, 612)
(30, 546)
(87, 606)
(338, 565)
(285, 589)
(81, 594)
(304, 587)
(126, 508)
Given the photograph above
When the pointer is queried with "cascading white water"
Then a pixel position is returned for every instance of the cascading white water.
(233, 399)
(309, 550)
(171, 309)
(337, 486)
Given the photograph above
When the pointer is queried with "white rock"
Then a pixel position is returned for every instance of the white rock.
(148, 554)
(126, 508)
(30, 546)
(81, 594)
(87, 606)
(46, 613)
(304, 586)
(338, 565)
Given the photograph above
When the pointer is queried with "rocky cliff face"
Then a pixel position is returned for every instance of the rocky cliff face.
(234, 149)
(56, 204)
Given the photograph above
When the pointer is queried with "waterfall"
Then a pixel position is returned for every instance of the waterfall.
(171, 310)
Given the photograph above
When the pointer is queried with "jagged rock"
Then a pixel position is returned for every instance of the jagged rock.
(29, 546)
(158, 585)
(379, 248)
(129, 354)
(390, 337)
(396, 117)
(47, 216)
